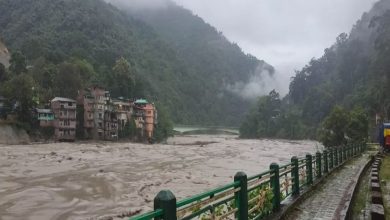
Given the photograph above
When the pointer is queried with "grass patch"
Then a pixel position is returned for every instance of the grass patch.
(384, 174)
(361, 197)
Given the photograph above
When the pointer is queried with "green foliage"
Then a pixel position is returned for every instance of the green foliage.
(3, 73)
(272, 117)
(129, 130)
(20, 91)
(353, 74)
(164, 128)
(334, 128)
(47, 132)
(122, 81)
(88, 38)
(67, 81)
(80, 122)
(342, 127)
(18, 63)
(263, 195)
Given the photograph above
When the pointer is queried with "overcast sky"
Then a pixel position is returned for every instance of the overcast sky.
(285, 33)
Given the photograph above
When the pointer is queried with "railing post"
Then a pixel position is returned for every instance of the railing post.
(326, 170)
(340, 155)
(295, 175)
(344, 153)
(241, 197)
(351, 151)
(275, 185)
(318, 165)
(309, 169)
(166, 201)
(331, 157)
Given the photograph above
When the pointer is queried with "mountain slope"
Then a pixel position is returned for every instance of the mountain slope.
(353, 73)
(207, 54)
(59, 30)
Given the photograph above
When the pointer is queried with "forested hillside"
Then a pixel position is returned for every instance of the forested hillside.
(218, 63)
(70, 44)
(353, 73)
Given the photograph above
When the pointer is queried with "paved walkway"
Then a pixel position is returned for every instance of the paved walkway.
(331, 196)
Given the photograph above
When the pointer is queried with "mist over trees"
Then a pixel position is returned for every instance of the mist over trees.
(353, 74)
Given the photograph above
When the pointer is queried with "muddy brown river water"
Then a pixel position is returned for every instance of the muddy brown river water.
(104, 180)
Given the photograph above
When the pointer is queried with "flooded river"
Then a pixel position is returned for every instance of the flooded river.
(104, 180)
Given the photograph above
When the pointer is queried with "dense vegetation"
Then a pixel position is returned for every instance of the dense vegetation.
(352, 73)
(80, 42)
(214, 62)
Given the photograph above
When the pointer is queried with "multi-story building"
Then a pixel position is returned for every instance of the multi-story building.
(124, 111)
(99, 122)
(102, 118)
(145, 117)
(64, 110)
(110, 123)
(45, 117)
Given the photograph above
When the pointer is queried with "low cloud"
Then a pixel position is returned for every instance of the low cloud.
(262, 81)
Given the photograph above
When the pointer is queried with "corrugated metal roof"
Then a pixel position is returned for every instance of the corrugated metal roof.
(61, 99)
(141, 101)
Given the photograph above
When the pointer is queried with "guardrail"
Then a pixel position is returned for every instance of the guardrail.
(253, 197)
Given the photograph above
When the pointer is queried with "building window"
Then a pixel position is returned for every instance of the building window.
(70, 104)
(100, 125)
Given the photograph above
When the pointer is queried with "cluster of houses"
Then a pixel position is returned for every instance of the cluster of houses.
(97, 116)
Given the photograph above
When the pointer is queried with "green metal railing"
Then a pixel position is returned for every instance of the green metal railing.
(253, 197)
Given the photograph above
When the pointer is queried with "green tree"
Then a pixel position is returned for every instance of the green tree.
(129, 130)
(67, 81)
(3, 73)
(342, 126)
(264, 118)
(357, 127)
(21, 90)
(333, 131)
(18, 63)
(164, 128)
(122, 80)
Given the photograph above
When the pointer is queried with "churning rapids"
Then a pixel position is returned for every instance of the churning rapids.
(103, 180)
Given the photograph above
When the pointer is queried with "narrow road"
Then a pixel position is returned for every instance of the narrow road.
(328, 200)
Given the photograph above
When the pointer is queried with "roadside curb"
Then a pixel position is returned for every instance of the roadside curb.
(346, 212)
(377, 209)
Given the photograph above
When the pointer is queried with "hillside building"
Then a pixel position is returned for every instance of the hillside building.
(64, 110)
(100, 121)
(45, 117)
(99, 117)
(145, 117)
(124, 112)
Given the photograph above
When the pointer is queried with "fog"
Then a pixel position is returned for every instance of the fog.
(286, 34)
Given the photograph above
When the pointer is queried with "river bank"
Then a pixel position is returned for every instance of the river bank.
(93, 180)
